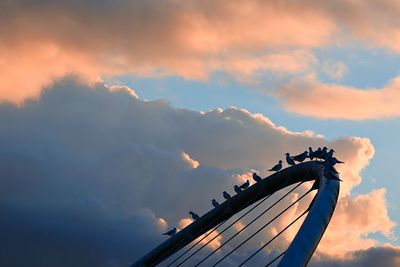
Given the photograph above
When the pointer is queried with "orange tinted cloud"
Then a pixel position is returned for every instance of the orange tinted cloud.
(310, 97)
(353, 219)
(26, 69)
(40, 40)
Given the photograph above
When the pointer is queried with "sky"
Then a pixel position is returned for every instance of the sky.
(112, 112)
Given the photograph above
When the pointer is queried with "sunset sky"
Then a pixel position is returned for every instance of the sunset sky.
(114, 111)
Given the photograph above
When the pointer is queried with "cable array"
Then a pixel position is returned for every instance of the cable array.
(214, 230)
(253, 220)
(226, 228)
(250, 223)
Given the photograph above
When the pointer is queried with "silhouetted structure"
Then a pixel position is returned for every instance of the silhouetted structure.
(308, 236)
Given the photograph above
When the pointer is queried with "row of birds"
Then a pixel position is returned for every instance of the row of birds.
(319, 154)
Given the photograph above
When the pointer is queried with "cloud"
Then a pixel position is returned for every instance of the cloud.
(380, 256)
(309, 97)
(89, 173)
(366, 214)
(43, 40)
(334, 69)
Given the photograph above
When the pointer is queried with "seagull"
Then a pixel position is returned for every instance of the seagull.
(171, 232)
(317, 152)
(257, 178)
(322, 153)
(226, 195)
(329, 154)
(301, 157)
(311, 153)
(237, 189)
(290, 160)
(334, 160)
(214, 203)
(194, 215)
(245, 185)
(277, 167)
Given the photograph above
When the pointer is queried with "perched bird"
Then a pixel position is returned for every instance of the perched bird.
(245, 185)
(194, 215)
(301, 157)
(226, 195)
(257, 178)
(237, 189)
(214, 203)
(290, 160)
(311, 153)
(334, 161)
(329, 154)
(317, 152)
(171, 232)
(277, 167)
(322, 153)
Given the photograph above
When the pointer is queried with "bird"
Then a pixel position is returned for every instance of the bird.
(311, 153)
(194, 215)
(322, 153)
(214, 203)
(334, 160)
(301, 157)
(257, 178)
(317, 152)
(329, 154)
(277, 167)
(290, 160)
(226, 195)
(171, 232)
(237, 189)
(245, 185)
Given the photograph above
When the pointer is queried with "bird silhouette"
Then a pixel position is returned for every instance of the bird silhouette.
(311, 153)
(277, 167)
(334, 161)
(257, 178)
(214, 203)
(245, 185)
(317, 152)
(290, 160)
(301, 157)
(194, 215)
(226, 195)
(322, 153)
(329, 154)
(171, 232)
(237, 189)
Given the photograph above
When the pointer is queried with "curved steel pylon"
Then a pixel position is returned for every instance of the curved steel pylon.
(308, 236)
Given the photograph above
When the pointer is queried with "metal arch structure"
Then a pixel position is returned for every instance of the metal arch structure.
(308, 236)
